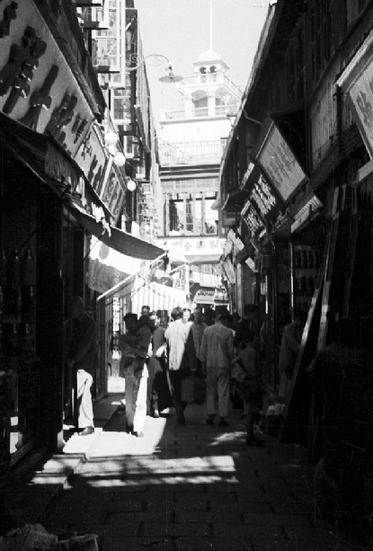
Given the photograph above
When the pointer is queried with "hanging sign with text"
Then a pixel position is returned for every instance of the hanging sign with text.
(279, 163)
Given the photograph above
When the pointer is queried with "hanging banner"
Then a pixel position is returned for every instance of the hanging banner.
(279, 163)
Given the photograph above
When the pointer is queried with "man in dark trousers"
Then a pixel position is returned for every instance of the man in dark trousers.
(84, 361)
(176, 335)
(217, 354)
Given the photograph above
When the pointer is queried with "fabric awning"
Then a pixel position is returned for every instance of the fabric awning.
(53, 166)
(119, 240)
(107, 268)
(45, 158)
(155, 295)
(138, 290)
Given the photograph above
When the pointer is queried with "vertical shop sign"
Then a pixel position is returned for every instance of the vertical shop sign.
(263, 197)
(252, 219)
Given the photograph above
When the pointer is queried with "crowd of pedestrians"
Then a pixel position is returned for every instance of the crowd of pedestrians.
(169, 361)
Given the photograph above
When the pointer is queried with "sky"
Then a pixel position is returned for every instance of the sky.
(181, 31)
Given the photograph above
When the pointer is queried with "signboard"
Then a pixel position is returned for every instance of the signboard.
(38, 88)
(262, 197)
(280, 164)
(92, 158)
(310, 208)
(238, 244)
(229, 270)
(247, 174)
(361, 96)
(208, 296)
(210, 248)
(356, 80)
(252, 219)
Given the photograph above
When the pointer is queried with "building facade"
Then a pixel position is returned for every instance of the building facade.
(64, 196)
(295, 193)
(191, 142)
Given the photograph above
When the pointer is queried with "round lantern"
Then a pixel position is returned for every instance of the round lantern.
(119, 159)
(111, 138)
(131, 185)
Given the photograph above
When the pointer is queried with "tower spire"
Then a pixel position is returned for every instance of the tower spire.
(210, 24)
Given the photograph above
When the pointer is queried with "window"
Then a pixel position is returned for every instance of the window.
(191, 214)
(200, 107)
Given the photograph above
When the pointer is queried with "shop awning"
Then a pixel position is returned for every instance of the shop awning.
(45, 158)
(119, 240)
(107, 268)
(53, 166)
(138, 290)
(155, 295)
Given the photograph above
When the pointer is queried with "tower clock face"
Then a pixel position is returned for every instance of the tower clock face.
(202, 70)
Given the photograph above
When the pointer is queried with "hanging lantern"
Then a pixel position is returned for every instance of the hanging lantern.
(111, 138)
(112, 149)
(131, 185)
(119, 159)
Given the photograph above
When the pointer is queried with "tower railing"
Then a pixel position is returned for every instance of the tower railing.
(199, 112)
(210, 79)
(182, 153)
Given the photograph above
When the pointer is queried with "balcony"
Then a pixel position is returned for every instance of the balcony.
(190, 153)
(200, 112)
(210, 80)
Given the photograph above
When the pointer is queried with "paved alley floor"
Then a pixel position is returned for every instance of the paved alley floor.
(190, 488)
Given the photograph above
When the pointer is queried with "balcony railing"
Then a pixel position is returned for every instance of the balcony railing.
(211, 79)
(218, 111)
(184, 153)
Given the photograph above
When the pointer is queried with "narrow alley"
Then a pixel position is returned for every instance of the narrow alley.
(180, 488)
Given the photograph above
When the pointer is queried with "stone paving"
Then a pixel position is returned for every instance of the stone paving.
(191, 488)
(181, 488)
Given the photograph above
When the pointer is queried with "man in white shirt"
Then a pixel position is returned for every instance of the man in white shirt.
(176, 335)
(217, 353)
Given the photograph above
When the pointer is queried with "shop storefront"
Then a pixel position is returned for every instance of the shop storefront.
(46, 110)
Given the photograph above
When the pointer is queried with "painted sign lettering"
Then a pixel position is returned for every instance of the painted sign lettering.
(18, 72)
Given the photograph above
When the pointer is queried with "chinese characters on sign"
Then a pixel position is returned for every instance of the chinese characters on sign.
(361, 94)
(280, 164)
(262, 196)
(252, 219)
